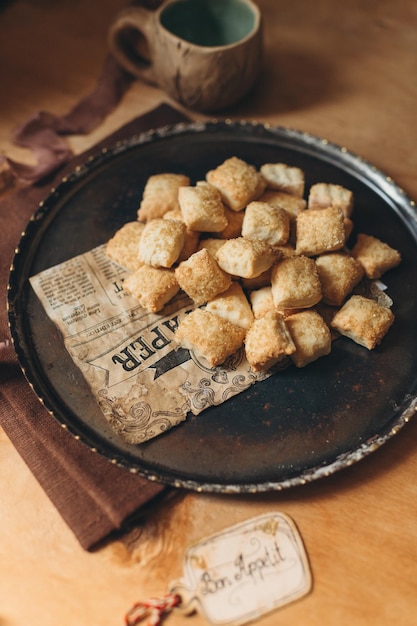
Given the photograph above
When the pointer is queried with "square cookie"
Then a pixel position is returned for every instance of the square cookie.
(238, 182)
(201, 277)
(283, 177)
(363, 320)
(311, 336)
(153, 287)
(295, 283)
(232, 305)
(202, 208)
(339, 273)
(160, 195)
(209, 336)
(246, 258)
(320, 230)
(267, 223)
(323, 195)
(123, 247)
(161, 242)
(375, 256)
(268, 341)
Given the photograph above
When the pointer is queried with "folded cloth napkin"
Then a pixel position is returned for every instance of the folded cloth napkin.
(94, 497)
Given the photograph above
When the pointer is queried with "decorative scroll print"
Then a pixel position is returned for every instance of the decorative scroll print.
(201, 397)
(139, 422)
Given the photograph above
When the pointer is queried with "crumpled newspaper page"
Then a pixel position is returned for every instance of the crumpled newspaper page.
(143, 382)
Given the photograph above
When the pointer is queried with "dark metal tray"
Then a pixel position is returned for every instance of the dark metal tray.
(294, 427)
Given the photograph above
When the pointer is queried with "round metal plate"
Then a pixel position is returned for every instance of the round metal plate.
(294, 427)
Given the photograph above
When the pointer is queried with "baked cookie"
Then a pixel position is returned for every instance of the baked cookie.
(209, 336)
(295, 283)
(267, 223)
(161, 242)
(238, 182)
(375, 256)
(153, 287)
(261, 301)
(191, 242)
(201, 277)
(123, 247)
(319, 231)
(363, 320)
(160, 195)
(311, 337)
(233, 306)
(234, 224)
(263, 280)
(202, 208)
(292, 204)
(283, 177)
(323, 195)
(268, 341)
(246, 258)
(212, 244)
(339, 273)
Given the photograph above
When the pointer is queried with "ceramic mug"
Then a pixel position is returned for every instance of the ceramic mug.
(206, 54)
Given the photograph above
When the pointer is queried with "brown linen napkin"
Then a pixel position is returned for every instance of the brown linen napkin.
(94, 497)
(45, 132)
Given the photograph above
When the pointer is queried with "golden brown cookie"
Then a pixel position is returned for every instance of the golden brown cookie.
(237, 181)
(201, 277)
(209, 336)
(311, 337)
(268, 341)
(363, 320)
(153, 287)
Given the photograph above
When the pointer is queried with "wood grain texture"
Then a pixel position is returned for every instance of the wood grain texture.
(346, 73)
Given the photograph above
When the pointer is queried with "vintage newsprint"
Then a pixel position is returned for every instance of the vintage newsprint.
(143, 382)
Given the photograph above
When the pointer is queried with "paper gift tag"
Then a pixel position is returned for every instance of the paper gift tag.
(245, 571)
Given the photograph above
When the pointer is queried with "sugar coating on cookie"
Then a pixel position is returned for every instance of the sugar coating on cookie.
(311, 337)
(320, 230)
(283, 177)
(295, 283)
(161, 242)
(160, 195)
(376, 256)
(123, 247)
(237, 181)
(153, 287)
(363, 320)
(268, 341)
(202, 208)
(267, 223)
(339, 273)
(246, 258)
(209, 336)
(201, 277)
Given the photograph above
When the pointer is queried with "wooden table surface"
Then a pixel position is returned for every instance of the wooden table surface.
(345, 71)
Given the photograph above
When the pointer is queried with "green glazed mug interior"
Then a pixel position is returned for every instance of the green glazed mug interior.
(209, 23)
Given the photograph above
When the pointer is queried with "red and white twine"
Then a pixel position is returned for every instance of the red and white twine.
(153, 609)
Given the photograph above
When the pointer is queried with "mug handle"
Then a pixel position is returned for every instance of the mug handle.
(140, 20)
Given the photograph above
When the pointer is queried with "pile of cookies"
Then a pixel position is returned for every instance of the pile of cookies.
(266, 268)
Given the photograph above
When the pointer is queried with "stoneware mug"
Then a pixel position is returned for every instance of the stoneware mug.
(206, 54)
